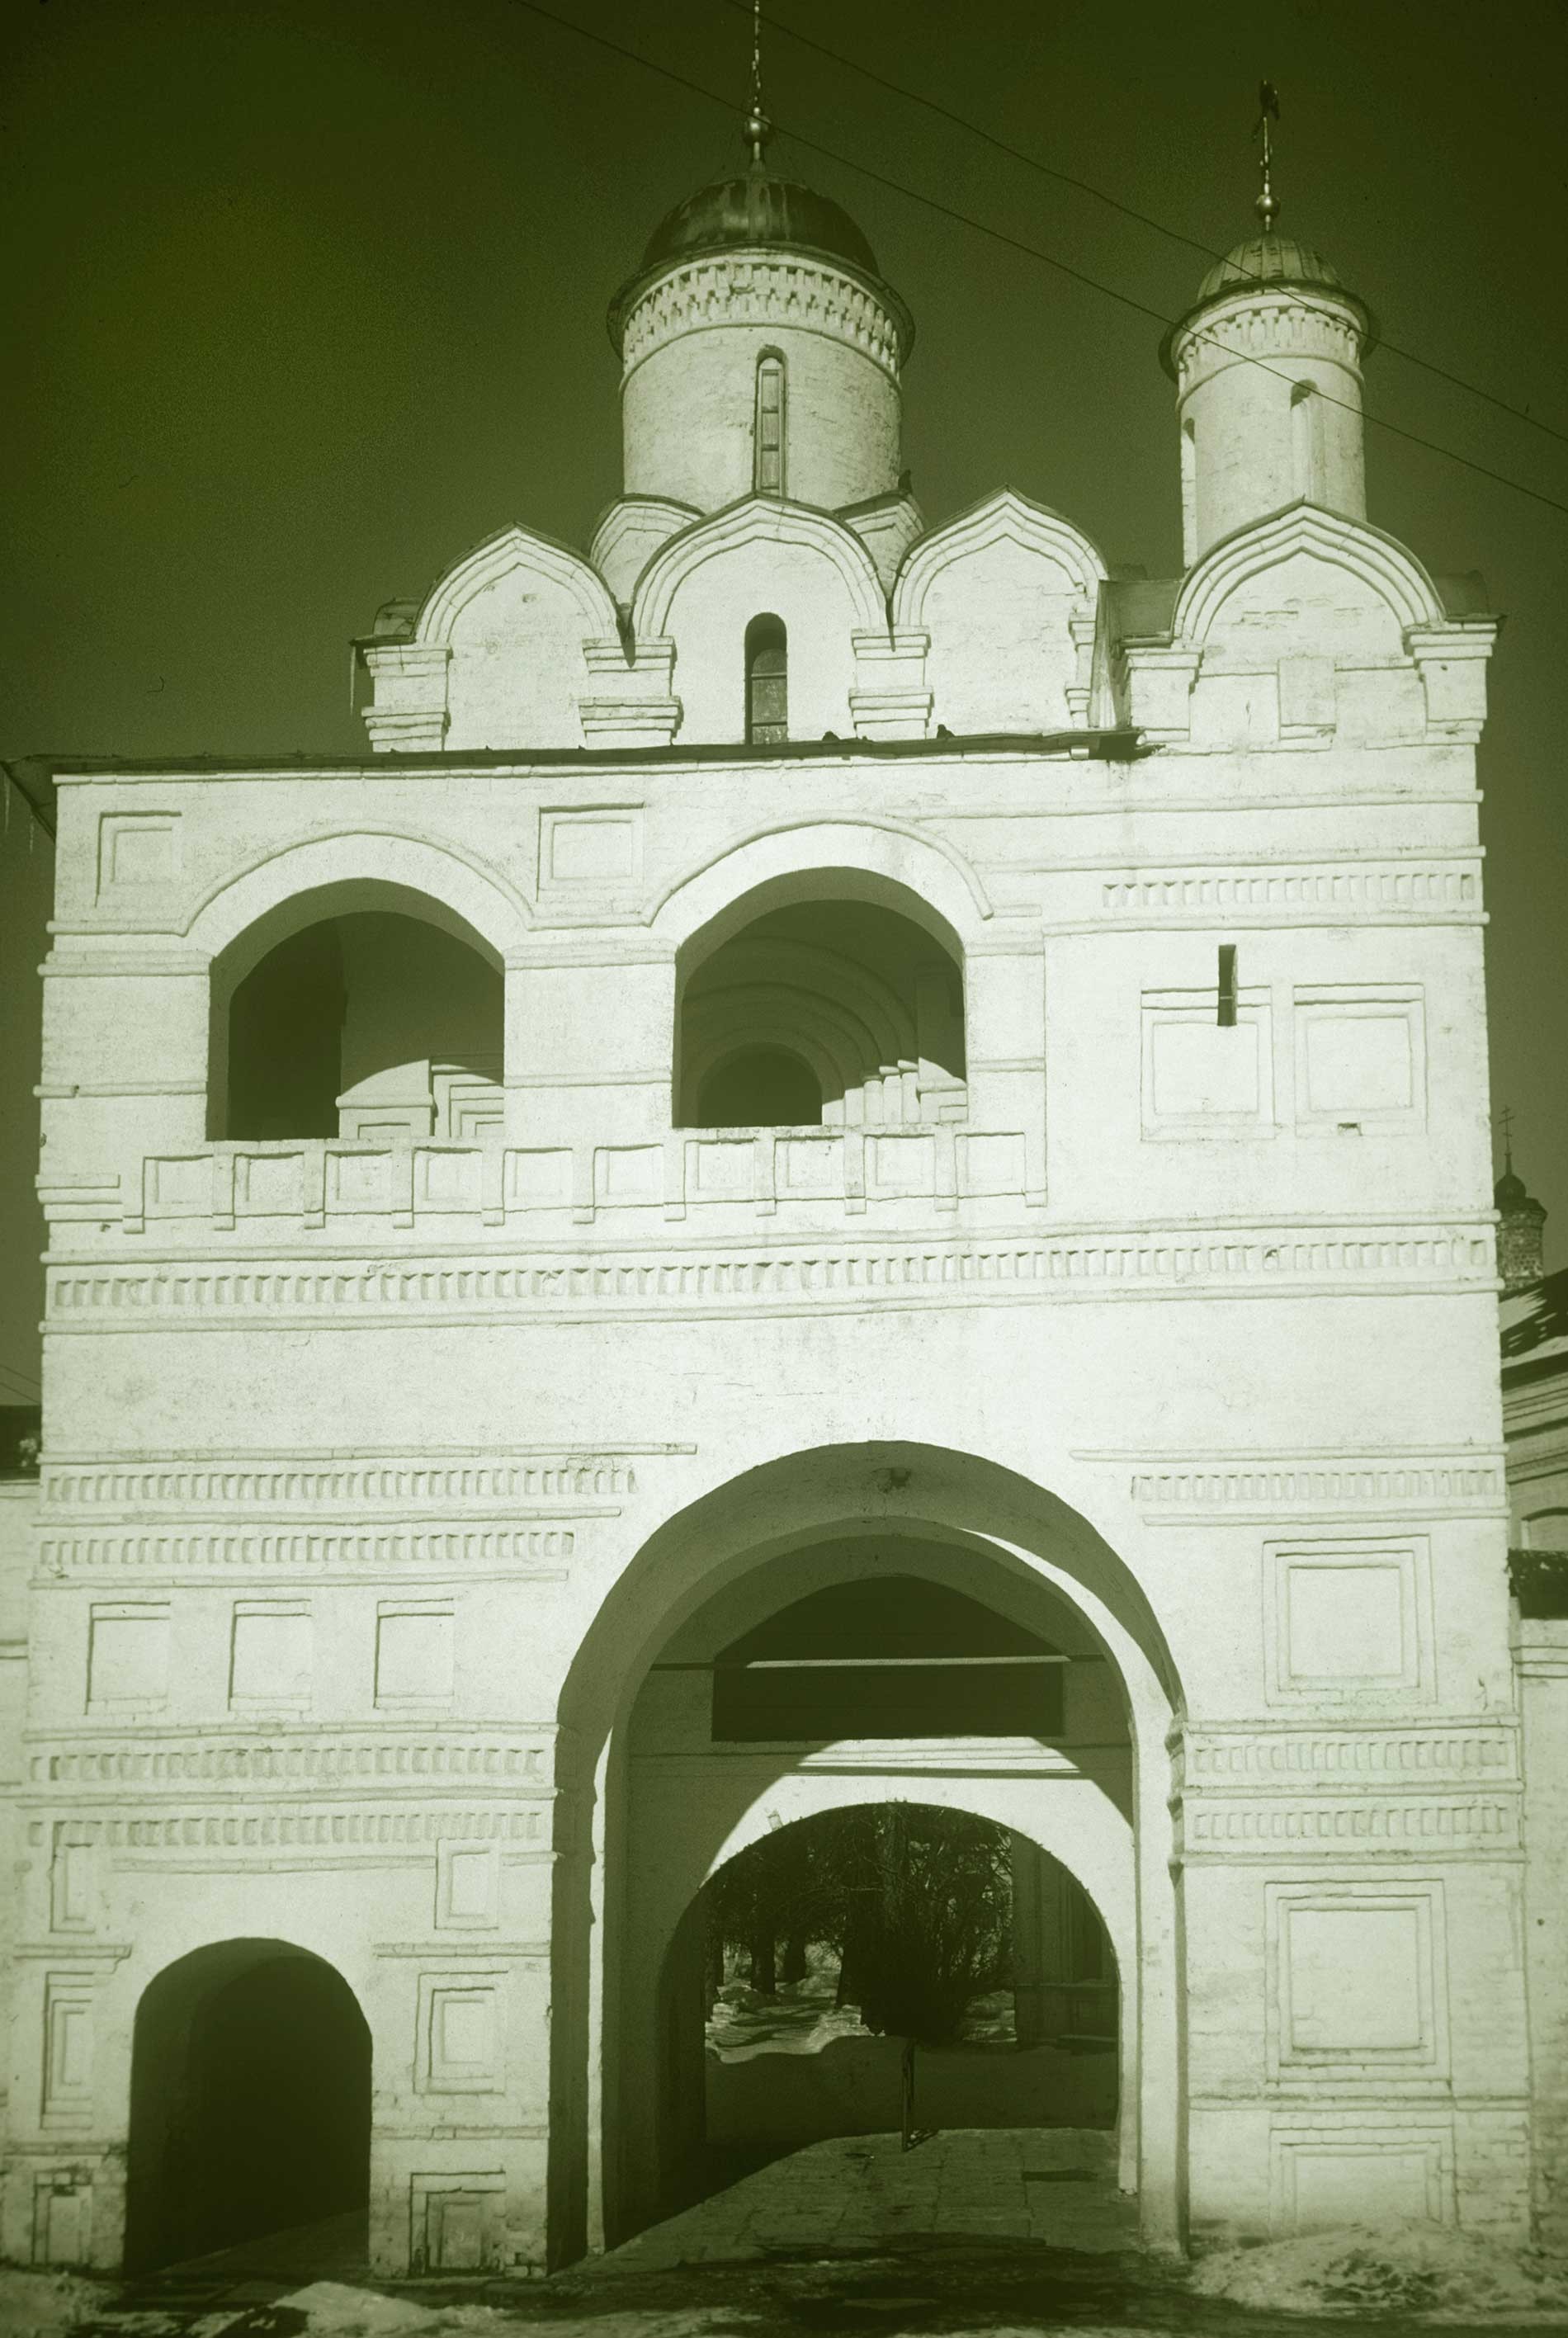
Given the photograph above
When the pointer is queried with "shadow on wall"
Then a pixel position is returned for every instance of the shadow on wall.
(373, 1026)
(249, 2101)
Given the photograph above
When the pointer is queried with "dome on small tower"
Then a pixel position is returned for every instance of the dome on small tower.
(1520, 1227)
(1266, 364)
(1267, 258)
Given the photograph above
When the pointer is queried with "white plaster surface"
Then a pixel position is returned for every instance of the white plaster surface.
(380, 1470)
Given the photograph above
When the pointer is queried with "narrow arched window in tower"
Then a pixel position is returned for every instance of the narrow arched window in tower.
(1304, 460)
(768, 432)
(767, 681)
(1189, 492)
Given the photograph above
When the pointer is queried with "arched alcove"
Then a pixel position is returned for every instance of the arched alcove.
(249, 2101)
(357, 1013)
(845, 985)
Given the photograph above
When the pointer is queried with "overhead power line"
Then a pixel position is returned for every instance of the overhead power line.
(1030, 251)
(1128, 210)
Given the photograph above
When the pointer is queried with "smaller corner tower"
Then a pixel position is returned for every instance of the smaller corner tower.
(1520, 1227)
(1266, 364)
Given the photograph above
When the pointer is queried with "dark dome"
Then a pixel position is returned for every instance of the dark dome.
(754, 207)
(1510, 1194)
(1268, 258)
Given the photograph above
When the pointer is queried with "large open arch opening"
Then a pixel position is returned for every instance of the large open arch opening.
(829, 998)
(249, 2101)
(358, 1011)
(640, 1825)
(688, 1780)
(880, 1967)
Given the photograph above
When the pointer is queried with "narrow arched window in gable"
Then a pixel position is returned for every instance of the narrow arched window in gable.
(767, 681)
(767, 430)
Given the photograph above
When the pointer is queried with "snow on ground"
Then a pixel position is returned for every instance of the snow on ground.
(1410, 2268)
(44, 2304)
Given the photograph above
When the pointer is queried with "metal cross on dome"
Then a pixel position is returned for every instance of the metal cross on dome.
(759, 129)
(1268, 111)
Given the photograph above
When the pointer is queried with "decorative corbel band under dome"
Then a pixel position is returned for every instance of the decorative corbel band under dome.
(768, 288)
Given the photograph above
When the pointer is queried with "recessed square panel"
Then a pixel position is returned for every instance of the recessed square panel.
(810, 1164)
(414, 1656)
(628, 1174)
(1355, 1981)
(1358, 1063)
(589, 851)
(1346, 1622)
(1324, 2182)
(1204, 1078)
(137, 849)
(270, 1183)
(1358, 1979)
(270, 1658)
(129, 1655)
(1204, 1067)
(467, 1883)
(1360, 1059)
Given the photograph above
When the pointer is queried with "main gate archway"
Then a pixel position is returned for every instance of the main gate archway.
(654, 1806)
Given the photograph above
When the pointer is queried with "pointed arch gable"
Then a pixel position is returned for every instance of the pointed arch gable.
(517, 547)
(765, 519)
(1004, 517)
(1381, 564)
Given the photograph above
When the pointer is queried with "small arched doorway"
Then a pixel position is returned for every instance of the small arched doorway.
(249, 2101)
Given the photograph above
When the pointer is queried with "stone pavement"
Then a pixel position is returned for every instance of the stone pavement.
(1050, 2185)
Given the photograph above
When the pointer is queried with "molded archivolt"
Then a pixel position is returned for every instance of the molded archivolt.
(827, 860)
(1005, 596)
(1386, 572)
(1005, 517)
(361, 868)
(513, 617)
(440, 619)
(629, 535)
(759, 519)
(762, 556)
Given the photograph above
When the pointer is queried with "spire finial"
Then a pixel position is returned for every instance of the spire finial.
(1268, 104)
(759, 129)
(1505, 1130)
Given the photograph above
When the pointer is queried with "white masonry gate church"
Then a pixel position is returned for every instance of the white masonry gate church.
(811, 1055)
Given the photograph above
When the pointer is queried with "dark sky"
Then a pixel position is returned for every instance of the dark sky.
(305, 299)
